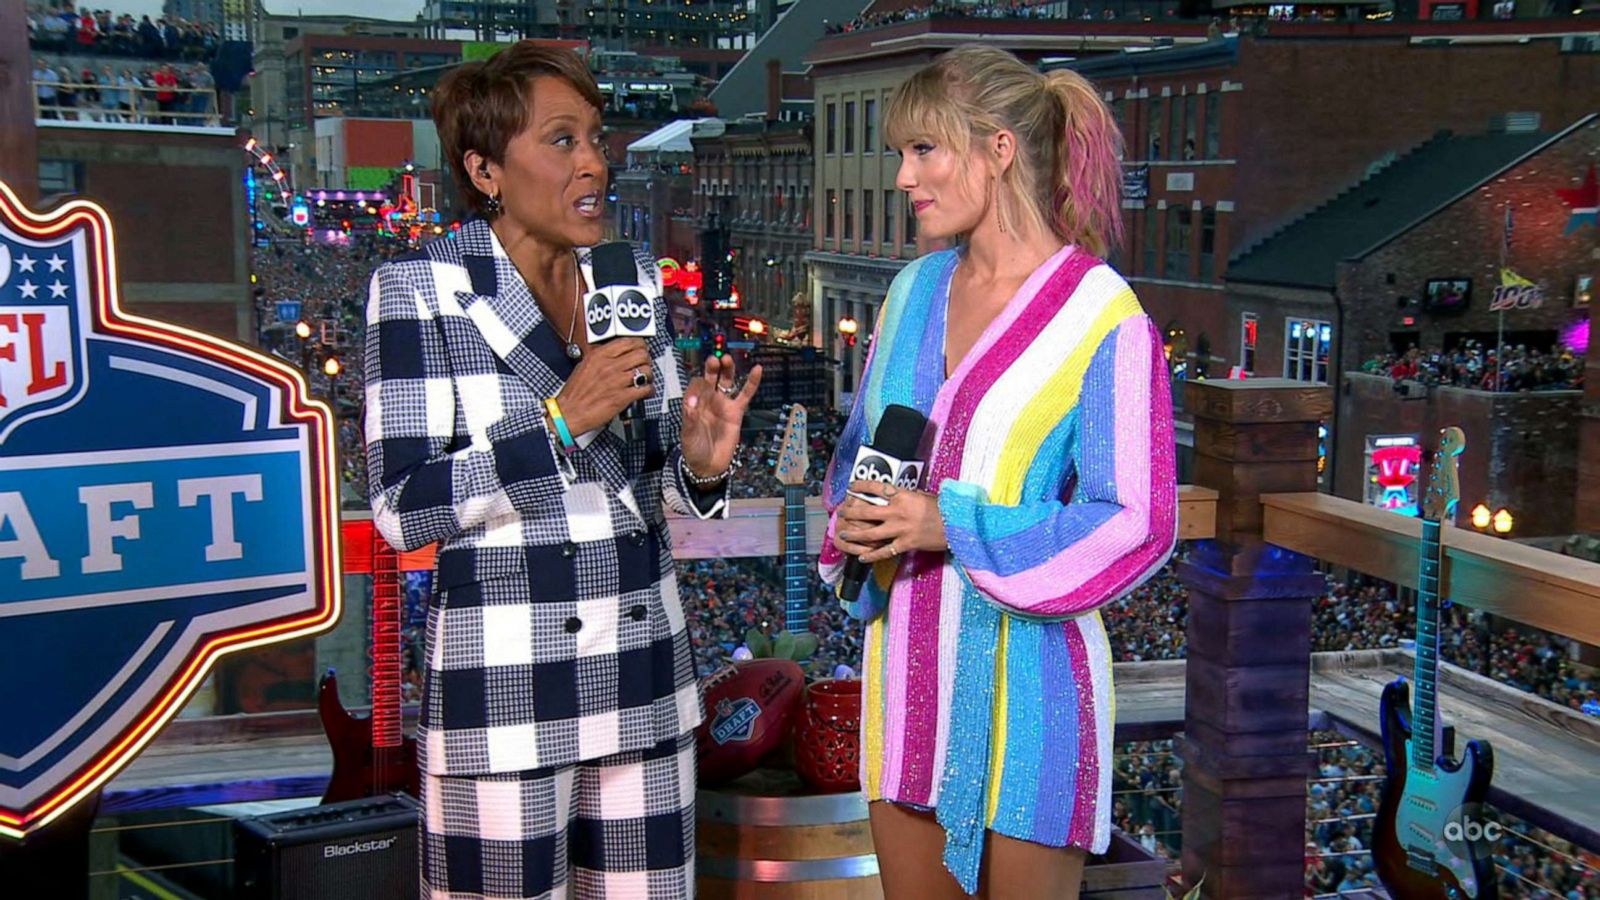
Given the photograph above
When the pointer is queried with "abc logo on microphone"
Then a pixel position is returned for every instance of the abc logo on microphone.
(635, 313)
(598, 315)
(874, 468)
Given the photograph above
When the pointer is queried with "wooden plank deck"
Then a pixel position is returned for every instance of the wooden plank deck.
(1547, 767)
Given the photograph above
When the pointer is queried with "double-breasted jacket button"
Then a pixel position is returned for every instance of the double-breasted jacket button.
(569, 549)
(573, 624)
(637, 613)
(636, 538)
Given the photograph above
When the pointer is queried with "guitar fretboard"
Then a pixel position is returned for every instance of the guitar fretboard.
(796, 593)
(386, 730)
(1426, 673)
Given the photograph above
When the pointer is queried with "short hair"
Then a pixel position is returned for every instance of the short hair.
(482, 105)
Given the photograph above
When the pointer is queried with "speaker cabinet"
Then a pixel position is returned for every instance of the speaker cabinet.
(358, 850)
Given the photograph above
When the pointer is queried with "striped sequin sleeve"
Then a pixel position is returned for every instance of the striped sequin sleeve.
(1048, 558)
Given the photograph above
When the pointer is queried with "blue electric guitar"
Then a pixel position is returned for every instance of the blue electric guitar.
(792, 462)
(1417, 846)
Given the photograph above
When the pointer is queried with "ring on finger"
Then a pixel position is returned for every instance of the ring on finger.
(730, 390)
(640, 379)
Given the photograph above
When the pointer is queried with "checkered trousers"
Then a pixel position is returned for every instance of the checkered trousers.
(555, 634)
(621, 827)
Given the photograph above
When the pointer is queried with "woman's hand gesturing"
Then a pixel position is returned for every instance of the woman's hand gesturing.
(712, 413)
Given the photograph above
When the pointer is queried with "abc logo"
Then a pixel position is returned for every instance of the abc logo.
(873, 468)
(599, 314)
(1471, 831)
(635, 311)
(910, 476)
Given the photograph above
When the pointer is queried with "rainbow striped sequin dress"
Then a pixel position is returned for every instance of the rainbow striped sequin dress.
(987, 672)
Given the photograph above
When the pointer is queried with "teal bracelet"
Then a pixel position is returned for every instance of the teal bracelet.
(567, 443)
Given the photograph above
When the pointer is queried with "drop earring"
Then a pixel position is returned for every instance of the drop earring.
(492, 205)
(999, 214)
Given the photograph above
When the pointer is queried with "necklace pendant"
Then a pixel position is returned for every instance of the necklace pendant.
(574, 351)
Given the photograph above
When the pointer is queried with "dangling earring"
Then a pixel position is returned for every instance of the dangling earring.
(999, 214)
(492, 205)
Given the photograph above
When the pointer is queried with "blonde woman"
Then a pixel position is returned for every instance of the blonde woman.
(986, 725)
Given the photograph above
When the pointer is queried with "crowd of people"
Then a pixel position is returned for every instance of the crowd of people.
(65, 28)
(989, 9)
(164, 94)
(1473, 364)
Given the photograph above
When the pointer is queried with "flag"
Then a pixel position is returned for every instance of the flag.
(1505, 246)
(1511, 279)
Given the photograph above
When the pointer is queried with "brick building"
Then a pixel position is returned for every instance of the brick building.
(1412, 256)
(1230, 141)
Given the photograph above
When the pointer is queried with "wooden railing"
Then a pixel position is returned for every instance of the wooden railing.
(143, 106)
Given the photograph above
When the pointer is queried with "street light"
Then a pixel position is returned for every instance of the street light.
(1502, 521)
(302, 330)
(331, 367)
(848, 328)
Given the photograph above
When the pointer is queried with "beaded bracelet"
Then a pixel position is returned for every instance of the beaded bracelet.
(554, 409)
(714, 480)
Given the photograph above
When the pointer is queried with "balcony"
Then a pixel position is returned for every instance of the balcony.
(1237, 711)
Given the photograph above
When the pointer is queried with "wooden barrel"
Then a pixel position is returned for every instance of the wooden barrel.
(765, 837)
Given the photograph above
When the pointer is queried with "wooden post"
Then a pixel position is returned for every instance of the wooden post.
(19, 150)
(1244, 745)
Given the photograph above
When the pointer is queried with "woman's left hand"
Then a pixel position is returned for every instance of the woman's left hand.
(712, 416)
(909, 521)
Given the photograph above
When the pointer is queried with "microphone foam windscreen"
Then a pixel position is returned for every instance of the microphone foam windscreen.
(614, 264)
(900, 431)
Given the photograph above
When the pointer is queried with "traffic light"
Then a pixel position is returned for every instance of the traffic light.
(719, 346)
(716, 261)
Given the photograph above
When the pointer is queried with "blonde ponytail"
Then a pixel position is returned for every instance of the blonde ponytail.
(1086, 202)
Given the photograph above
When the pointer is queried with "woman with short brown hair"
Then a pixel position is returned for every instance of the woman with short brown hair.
(559, 699)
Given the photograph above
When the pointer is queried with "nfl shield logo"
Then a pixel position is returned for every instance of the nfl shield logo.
(165, 498)
(41, 357)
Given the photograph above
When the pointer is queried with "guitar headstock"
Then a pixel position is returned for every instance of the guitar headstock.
(1444, 484)
(792, 449)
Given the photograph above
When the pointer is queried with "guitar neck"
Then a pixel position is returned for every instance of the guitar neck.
(1426, 674)
(386, 731)
(796, 595)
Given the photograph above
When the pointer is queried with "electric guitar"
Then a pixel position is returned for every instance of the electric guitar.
(372, 756)
(793, 462)
(1421, 846)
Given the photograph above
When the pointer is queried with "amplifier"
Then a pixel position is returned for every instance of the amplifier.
(355, 850)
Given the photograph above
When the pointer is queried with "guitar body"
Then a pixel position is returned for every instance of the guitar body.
(359, 769)
(1413, 810)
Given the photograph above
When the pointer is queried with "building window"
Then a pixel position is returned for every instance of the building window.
(1208, 244)
(1175, 128)
(850, 126)
(888, 217)
(849, 214)
(1306, 345)
(1214, 125)
(1191, 105)
(59, 176)
(831, 211)
(1247, 342)
(866, 216)
(1179, 224)
(831, 128)
(1152, 128)
(869, 126)
(1150, 243)
(911, 223)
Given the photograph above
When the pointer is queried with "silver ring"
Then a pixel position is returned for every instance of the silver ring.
(640, 379)
(892, 550)
(730, 390)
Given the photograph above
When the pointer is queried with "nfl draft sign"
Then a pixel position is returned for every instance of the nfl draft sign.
(165, 498)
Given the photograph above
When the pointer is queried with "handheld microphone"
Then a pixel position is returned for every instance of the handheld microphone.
(890, 458)
(619, 306)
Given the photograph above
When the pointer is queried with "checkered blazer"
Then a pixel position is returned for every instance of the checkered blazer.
(555, 632)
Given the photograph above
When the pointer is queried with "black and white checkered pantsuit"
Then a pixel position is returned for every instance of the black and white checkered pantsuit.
(617, 827)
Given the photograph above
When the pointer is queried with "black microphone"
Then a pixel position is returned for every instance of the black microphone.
(619, 307)
(890, 458)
